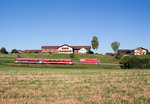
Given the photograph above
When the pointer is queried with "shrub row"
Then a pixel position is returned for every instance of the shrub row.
(129, 62)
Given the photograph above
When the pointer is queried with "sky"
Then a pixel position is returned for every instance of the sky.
(30, 24)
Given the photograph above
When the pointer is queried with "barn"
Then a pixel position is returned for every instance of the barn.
(65, 49)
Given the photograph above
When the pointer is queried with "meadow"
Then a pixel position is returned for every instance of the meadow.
(103, 58)
(26, 85)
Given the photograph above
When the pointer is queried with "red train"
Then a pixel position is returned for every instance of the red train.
(43, 61)
(92, 61)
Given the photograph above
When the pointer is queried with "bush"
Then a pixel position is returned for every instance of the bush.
(118, 55)
(133, 62)
(89, 52)
(111, 54)
(18, 56)
(71, 55)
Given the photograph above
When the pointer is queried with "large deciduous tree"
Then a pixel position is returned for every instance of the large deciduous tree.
(3, 50)
(14, 51)
(95, 42)
(115, 45)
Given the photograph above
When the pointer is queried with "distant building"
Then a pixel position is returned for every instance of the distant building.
(126, 52)
(31, 51)
(137, 51)
(140, 51)
(65, 49)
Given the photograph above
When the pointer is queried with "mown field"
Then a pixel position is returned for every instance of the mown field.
(25, 85)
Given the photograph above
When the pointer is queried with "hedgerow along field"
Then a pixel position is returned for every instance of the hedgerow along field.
(25, 85)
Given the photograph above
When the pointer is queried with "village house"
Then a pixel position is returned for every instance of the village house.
(65, 49)
(140, 51)
(137, 51)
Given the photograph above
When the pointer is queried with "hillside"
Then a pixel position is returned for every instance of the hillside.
(103, 58)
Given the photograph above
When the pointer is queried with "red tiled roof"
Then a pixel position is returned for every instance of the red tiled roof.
(140, 48)
(32, 51)
(79, 47)
(49, 47)
(74, 47)
(125, 51)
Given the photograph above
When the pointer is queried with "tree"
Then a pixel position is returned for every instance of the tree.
(95, 43)
(89, 52)
(115, 45)
(14, 51)
(3, 50)
(147, 52)
(72, 55)
(118, 55)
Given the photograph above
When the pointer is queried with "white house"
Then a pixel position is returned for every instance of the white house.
(65, 49)
(82, 51)
(140, 51)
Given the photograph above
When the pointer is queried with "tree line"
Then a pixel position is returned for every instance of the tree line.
(4, 51)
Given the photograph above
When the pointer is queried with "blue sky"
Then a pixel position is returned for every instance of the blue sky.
(30, 24)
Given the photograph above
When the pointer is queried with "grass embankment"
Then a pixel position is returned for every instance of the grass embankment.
(103, 58)
(73, 86)
(9, 60)
(109, 60)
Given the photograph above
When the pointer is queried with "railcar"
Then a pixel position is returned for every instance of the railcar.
(43, 61)
(92, 61)
(57, 61)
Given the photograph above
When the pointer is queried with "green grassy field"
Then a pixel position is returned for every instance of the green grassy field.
(25, 85)
(103, 58)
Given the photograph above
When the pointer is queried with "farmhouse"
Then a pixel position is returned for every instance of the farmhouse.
(140, 51)
(137, 51)
(65, 49)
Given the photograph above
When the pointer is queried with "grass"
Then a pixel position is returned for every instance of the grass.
(73, 86)
(103, 58)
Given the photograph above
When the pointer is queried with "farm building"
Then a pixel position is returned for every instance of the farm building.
(31, 51)
(137, 51)
(140, 51)
(65, 49)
